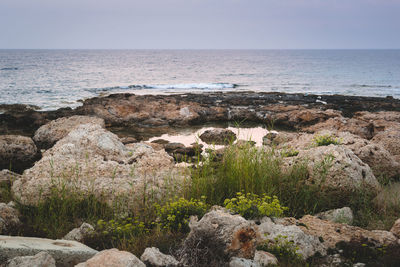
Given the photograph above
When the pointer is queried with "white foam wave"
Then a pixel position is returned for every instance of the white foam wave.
(187, 86)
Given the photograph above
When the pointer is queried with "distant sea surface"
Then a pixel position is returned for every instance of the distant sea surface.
(52, 79)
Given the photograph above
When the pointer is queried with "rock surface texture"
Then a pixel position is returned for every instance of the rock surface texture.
(42, 259)
(47, 135)
(9, 219)
(218, 136)
(65, 253)
(17, 152)
(113, 258)
(79, 234)
(217, 237)
(153, 257)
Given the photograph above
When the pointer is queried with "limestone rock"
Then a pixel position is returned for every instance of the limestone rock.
(17, 152)
(389, 139)
(113, 258)
(79, 234)
(65, 253)
(42, 259)
(218, 136)
(309, 245)
(9, 219)
(337, 167)
(8, 177)
(218, 236)
(240, 262)
(396, 228)
(91, 159)
(47, 135)
(263, 258)
(153, 257)
(343, 215)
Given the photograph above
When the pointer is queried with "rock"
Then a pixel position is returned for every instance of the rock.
(263, 258)
(17, 152)
(337, 167)
(160, 141)
(219, 236)
(113, 258)
(389, 139)
(240, 262)
(343, 215)
(396, 228)
(47, 135)
(79, 234)
(309, 245)
(42, 259)
(334, 233)
(101, 165)
(8, 177)
(9, 219)
(128, 140)
(65, 253)
(218, 136)
(153, 257)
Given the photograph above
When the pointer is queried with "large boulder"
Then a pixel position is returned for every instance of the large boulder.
(218, 136)
(42, 259)
(113, 258)
(47, 135)
(65, 253)
(396, 228)
(17, 152)
(337, 168)
(217, 237)
(9, 219)
(153, 257)
(389, 139)
(92, 160)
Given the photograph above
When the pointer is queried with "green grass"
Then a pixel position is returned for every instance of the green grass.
(326, 140)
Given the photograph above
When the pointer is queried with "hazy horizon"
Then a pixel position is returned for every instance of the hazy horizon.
(200, 24)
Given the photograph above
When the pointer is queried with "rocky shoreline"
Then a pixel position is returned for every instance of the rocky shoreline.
(340, 148)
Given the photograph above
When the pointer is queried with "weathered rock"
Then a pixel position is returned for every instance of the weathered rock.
(66, 253)
(337, 167)
(113, 258)
(8, 177)
(153, 257)
(47, 135)
(343, 215)
(99, 164)
(217, 237)
(240, 262)
(396, 228)
(42, 259)
(218, 136)
(333, 233)
(309, 245)
(17, 152)
(263, 258)
(9, 219)
(128, 140)
(389, 139)
(79, 234)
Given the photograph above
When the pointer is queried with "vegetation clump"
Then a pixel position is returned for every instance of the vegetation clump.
(252, 206)
(326, 140)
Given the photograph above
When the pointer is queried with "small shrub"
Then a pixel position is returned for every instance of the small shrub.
(252, 206)
(289, 152)
(326, 140)
(175, 215)
(285, 250)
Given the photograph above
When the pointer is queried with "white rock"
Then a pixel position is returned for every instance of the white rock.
(240, 262)
(153, 257)
(113, 258)
(263, 258)
(343, 215)
(42, 259)
(78, 234)
(65, 253)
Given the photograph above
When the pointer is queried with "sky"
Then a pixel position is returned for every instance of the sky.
(200, 24)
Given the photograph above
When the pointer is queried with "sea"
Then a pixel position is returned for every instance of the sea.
(51, 79)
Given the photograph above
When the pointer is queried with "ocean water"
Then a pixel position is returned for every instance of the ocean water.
(58, 78)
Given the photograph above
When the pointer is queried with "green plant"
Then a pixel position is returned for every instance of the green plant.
(285, 250)
(174, 215)
(289, 152)
(252, 206)
(326, 140)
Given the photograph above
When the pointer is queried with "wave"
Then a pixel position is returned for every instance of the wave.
(9, 69)
(180, 86)
(370, 86)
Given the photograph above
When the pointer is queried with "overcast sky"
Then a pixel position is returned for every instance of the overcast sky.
(200, 24)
